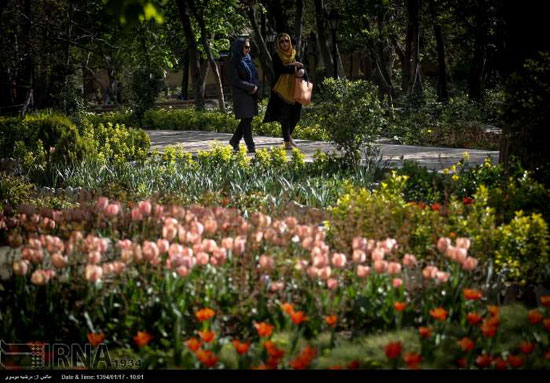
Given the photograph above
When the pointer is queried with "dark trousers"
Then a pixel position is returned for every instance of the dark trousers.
(244, 130)
(287, 127)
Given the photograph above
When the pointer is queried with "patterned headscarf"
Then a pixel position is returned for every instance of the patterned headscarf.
(285, 85)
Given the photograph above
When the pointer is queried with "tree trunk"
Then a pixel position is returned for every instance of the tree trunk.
(322, 35)
(477, 75)
(298, 25)
(265, 56)
(411, 68)
(185, 77)
(442, 92)
(275, 10)
(206, 45)
(25, 87)
(194, 55)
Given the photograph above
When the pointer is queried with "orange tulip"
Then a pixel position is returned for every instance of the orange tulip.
(207, 336)
(96, 338)
(461, 362)
(471, 294)
(399, 306)
(204, 314)
(439, 314)
(483, 361)
(241, 348)
(331, 320)
(272, 350)
(488, 330)
(534, 316)
(298, 317)
(303, 360)
(473, 318)
(354, 365)
(142, 338)
(393, 350)
(425, 332)
(526, 347)
(466, 344)
(493, 310)
(545, 300)
(193, 344)
(206, 357)
(500, 364)
(412, 359)
(288, 308)
(264, 329)
(516, 361)
(546, 324)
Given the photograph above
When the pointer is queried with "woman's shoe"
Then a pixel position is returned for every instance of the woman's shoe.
(251, 150)
(293, 143)
(234, 145)
(288, 145)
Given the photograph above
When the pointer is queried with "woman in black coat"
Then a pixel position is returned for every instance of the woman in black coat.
(281, 106)
(244, 89)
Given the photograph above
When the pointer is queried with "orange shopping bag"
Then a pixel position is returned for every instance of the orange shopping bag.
(302, 91)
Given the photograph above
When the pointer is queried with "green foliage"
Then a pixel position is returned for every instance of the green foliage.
(145, 86)
(524, 249)
(15, 190)
(351, 114)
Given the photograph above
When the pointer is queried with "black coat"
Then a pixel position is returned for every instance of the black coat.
(277, 109)
(245, 105)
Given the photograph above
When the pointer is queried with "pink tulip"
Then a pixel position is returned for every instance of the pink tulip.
(210, 226)
(118, 267)
(39, 278)
(312, 272)
(196, 228)
(175, 250)
(332, 284)
(102, 203)
(380, 266)
(58, 260)
(150, 250)
(301, 264)
(307, 243)
(163, 245)
(339, 260)
(394, 268)
(108, 268)
(227, 243)
(469, 263)
(209, 245)
(359, 256)
(277, 286)
(169, 232)
(409, 261)
(182, 271)
(21, 267)
(442, 276)
(239, 245)
(48, 223)
(93, 273)
(94, 257)
(145, 208)
(397, 282)
(202, 258)
(112, 210)
(389, 244)
(359, 243)
(443, 243)
(377, 254)
(463, 243)
(363, 271)
(291, 222)
(325, 272)
(136, 215)
(266, 262)
(430, 272)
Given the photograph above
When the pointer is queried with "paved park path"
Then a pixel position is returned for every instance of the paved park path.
(434, 158)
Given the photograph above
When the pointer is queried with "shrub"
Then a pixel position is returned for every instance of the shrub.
(524, 248)
(351, 114)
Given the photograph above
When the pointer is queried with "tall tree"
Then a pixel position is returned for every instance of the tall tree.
(479, 60)
(198, 75)
(411, 69)
(197, 8)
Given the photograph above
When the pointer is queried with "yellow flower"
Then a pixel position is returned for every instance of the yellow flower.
(455, 177)
(445, 171)
(466, 156)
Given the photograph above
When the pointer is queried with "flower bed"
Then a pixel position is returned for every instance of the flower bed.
(206, 287)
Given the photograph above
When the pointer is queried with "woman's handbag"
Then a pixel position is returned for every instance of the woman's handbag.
(302, 91)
